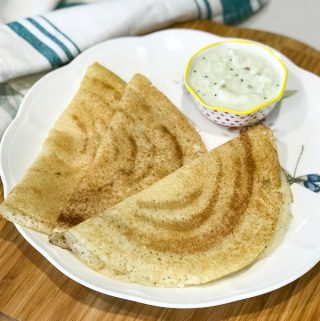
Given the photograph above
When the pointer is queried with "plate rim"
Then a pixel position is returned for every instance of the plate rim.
(19, 120)
(237, 297)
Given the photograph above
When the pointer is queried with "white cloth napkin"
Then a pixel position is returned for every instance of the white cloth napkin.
(11, 10)
(42, 42)
(46, 41)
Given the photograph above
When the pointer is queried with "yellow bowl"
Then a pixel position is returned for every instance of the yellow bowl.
(229, 117)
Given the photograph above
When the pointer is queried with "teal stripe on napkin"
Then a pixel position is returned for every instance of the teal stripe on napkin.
(199, 10)
(79, 51)
(68, 5)
(46, 51)
(235, 10)
(53, 38)
(209, 11)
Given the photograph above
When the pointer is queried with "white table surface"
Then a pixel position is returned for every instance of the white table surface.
(298, 19)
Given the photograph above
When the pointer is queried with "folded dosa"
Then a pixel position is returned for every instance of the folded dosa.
(148, 139)
(38, 198)
(206, 220)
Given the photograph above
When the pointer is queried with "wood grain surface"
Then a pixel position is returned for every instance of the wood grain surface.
(31, 289)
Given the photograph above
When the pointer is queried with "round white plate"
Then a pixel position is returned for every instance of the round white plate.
(162, 57)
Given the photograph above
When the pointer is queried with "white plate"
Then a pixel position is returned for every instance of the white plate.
(162, 57)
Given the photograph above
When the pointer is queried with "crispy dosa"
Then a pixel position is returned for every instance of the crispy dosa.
(284, 220)
(206, 220)
(148, 139)
(40, 195)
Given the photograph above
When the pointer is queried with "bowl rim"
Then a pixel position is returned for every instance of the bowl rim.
(231, 110)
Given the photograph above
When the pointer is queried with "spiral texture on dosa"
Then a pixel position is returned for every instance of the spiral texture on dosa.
(38, 198)
(206, 220)
(148, 139)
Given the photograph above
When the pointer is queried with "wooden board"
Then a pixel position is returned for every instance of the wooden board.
(32, 289)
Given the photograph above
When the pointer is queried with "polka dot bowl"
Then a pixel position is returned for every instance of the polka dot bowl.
(232, 118)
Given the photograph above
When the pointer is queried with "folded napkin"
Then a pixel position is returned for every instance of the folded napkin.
(47, 41)
(11, 10)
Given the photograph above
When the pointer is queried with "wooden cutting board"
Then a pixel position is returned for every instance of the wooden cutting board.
(31, 289)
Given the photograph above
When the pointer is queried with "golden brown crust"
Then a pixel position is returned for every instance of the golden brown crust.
(71, 144)
(148, 139)
(160, 237)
